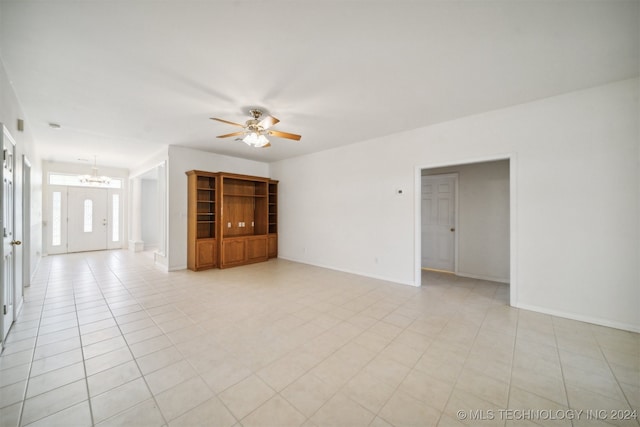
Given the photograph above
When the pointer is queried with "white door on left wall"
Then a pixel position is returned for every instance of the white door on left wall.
(9, 241)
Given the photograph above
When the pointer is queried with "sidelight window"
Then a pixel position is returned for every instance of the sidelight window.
(115, 218)
(56, 220)
(88, 216)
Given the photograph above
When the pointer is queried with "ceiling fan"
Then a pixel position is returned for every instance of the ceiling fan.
(255, 130)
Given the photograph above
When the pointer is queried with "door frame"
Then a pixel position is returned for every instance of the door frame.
(26, 222)
(513, 216)
(17, 305)
(455, 177)
(64, 192)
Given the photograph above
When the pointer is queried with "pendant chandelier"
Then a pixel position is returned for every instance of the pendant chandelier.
(94, 178)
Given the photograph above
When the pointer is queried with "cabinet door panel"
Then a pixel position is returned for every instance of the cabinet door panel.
(205, 254)
(233, 251)
(273, 245)
(257, 249)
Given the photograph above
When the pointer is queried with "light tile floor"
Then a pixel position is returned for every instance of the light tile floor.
(107, 339)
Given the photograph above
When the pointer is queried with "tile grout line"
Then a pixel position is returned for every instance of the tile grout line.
(377, 414)
(615, 377)
(308, 418)
(33, 353)
(353, 376)
(305, 373)
(453, 388)
(84, 365)
(513, 364)
(564, 382)
(128, 347)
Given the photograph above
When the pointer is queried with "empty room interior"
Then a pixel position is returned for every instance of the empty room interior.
(343, 213)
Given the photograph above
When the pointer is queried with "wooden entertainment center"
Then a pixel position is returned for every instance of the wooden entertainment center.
(232, 219)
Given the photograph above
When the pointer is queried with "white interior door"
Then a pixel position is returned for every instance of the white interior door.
(8, 276)
(87, 223)
(438, 222)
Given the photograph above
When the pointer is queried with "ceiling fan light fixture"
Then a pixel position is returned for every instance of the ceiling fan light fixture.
(255, 130)
(255, 139)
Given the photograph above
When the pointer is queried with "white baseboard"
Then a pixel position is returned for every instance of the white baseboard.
(481, 277)
(177, 267)
(582, 318)
(359, 273)
(136, 245)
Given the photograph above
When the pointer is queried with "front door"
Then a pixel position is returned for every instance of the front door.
(438, 222)
(87, 224)
(8, 276)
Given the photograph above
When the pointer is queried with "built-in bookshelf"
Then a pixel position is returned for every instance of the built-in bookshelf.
(202, 220)
(232, 219)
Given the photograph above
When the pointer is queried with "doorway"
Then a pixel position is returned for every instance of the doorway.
(83, 219)
(483, 225)
(148, 213)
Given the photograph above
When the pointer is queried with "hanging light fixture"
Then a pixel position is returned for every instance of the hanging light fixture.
(255, 139)
(94, 179)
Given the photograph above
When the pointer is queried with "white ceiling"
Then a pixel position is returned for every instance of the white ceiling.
(124, 78)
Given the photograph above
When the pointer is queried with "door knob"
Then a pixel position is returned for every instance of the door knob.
(16, 242)
(453, 229)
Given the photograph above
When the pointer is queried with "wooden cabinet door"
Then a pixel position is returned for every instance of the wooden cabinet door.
(205, 254)
(256, 248)
(233, 252)
(273, 245)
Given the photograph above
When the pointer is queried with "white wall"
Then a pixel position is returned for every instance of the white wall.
(182, 160)
(151, 163)
(149, 214)
(575, 173)
(10, 112)
(483, 219)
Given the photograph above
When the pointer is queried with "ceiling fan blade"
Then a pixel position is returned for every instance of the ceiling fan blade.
(279, 134)
(267, 122)
(227, 122)
(268, 144)
(230, 134)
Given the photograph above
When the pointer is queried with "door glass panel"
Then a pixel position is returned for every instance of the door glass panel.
(56, 220)
(115, 218)
(88, 216)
